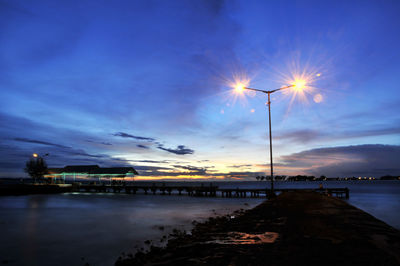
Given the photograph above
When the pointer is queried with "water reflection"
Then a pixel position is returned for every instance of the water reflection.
(240, 238)
(96, 229)
(47, 229)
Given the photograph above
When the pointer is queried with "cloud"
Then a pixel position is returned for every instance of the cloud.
(359, 160)
(243, 175)
(180, 150)
(99, 142)
(145, 170)
(193, 170)
(126, 135)
(300, 136)
(142, 146)
(39, 142)
(240, 165)
(150, 161)
(182, 172)
(85, 154)
(308, 135)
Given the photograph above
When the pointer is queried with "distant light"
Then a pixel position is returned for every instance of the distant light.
(318, 75)
(35, 155)
(252, 110)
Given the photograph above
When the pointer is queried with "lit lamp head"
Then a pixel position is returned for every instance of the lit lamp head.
(239, 87)
(35, 155)
(299, 84)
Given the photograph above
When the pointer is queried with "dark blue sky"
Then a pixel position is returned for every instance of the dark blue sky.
(147, 84)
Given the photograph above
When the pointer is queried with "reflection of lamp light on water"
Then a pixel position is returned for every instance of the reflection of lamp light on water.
(297, 86)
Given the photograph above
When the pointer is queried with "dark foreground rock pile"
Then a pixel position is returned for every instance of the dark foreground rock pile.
(297, 228)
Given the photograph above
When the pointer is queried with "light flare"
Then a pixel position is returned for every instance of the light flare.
(299, 84)
(302, 85)
(239, 87)
(318, 98)
(238, 83)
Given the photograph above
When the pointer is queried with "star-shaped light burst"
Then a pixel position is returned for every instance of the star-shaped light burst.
(239, 87)
(302, 85)
(239, 83)
(299, 85)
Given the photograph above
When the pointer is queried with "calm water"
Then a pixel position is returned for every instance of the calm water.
(72, 229)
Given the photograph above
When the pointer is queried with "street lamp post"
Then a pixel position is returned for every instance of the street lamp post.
(299, 84)
(270, 131)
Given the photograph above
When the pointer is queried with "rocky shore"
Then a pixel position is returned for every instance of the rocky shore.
(295, 228)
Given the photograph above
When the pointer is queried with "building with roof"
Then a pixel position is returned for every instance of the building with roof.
(90, 172)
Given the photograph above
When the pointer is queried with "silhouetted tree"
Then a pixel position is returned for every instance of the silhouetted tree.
(36, 168)
(258, 178)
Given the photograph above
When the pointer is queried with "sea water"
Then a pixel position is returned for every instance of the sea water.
(96, 228)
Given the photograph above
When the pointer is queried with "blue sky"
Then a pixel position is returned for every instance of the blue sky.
(147, 84)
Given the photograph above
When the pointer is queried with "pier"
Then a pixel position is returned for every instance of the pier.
(161, 189)
(202, 191)
(295, 228)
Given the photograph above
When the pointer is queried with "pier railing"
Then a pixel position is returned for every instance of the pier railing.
(203, 191)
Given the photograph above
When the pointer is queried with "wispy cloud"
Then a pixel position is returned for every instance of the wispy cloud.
(126, 135)
(40, 142)
(85, 154)
(304, 136)
(99, 142)
(142, 146)
(151, 161)
(300, 136)
(193, 170)
(180, 150)
(240, 166)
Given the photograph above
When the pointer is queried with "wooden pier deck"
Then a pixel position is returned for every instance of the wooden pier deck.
(203, 191)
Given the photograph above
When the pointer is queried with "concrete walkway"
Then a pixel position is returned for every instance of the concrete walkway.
(296, 228)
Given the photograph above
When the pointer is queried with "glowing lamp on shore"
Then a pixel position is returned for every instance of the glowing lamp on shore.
(35, 155)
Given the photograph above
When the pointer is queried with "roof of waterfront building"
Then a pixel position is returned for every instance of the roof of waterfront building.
(115, 170)
(80, 168)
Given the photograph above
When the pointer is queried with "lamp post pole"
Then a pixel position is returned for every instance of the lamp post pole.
(270, 144)
(270, 130)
